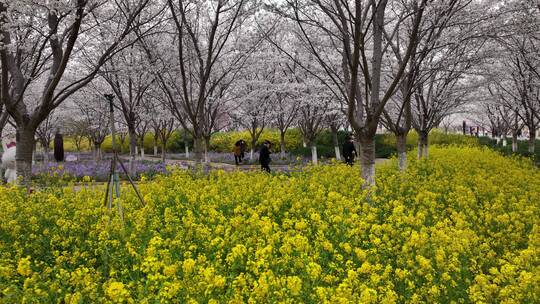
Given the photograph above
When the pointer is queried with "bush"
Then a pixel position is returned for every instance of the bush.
(523, 148)
(322, 151)
(224, 141)
(459, 227)
(175, 144)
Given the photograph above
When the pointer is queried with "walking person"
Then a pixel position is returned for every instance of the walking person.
(349, 151)
(58, 147)
(242, 150)
(237, 153)
(264, 156)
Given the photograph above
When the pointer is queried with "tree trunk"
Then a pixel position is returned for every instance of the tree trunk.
(163, 152)
(142, 153)
(423, 144)
(314, 158)
(253, 144)
(206, 150)
(97, 152)
(282, 144)
(336, 143)
(514, 142)
(338, 155)
(367, 160)
(132, 150)
(402, 151)
(532, 140)
(155, 146)
(45, 154)
(198, 148)
(426, 146)
(1, 165)
(23, 154)
(504, 142)
(186, 145)
(78, 143)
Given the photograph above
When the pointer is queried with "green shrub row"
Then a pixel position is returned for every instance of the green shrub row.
(224, 142)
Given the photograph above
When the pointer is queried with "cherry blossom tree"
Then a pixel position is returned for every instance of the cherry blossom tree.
(47, 45)
(93, 112)
(511, 73)
(432, 36)
(354, 32)
(45, 133)
(205, 35)
(312, 117)
(335, 120)
(130, 77)
(254, 100)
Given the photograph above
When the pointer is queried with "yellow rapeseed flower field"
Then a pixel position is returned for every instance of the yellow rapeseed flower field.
(460, 227)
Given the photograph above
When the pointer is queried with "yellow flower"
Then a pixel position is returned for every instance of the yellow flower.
(117, 292)
(188, 265)
(314, 270)
(23, 267)
(169, 270)
(294, 284)
(365, 268)
(368, 295)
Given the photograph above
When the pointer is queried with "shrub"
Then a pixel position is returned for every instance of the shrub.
(224, 141)
(523, 148)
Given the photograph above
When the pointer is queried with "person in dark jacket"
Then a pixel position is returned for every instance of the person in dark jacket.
(58, 147)
(237, 153)
(264, 156)
(242, 150)
(349, 151)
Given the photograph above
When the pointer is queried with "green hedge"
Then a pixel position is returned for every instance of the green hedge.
(224, 141)
(174, 145)
(523, 148)
(385, 144)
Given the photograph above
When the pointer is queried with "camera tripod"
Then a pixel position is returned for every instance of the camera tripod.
(113, 180)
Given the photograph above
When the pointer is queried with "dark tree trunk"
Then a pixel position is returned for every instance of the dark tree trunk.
(97, 151)
(163, 151)
(198, 147)
(423, 144)
(532, 140)
(514, 142)
(45, 154)
(206, 149)
(155, 146)
(23, 154)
